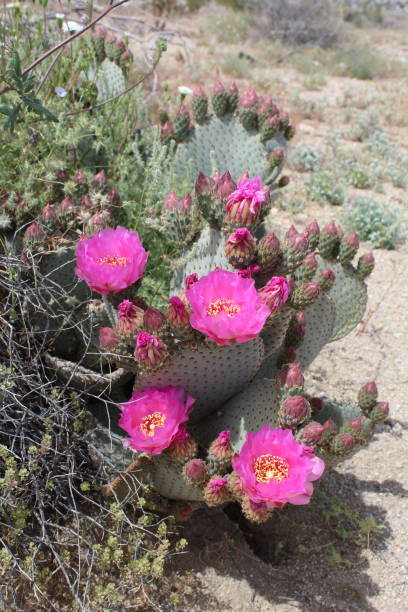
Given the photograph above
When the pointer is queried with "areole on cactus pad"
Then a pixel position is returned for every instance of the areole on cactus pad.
(219, 407)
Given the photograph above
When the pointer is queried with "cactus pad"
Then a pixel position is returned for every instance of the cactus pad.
(320, 321)
(167, 480)
(110, 80)
(226, 144)
(349, 295)
(209, 373)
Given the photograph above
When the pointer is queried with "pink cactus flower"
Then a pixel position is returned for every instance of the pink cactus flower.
(153, 417)
(107, 338)
(149, 349)
(226, 307)
(244, 204)
(111, 260)
(274, 468)
(275, 293)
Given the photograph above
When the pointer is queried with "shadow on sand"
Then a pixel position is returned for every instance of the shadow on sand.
(312, 558)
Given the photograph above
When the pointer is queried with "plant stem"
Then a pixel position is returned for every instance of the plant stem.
(109, 311)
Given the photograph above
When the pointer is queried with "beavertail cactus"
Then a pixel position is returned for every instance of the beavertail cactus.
(220, 405)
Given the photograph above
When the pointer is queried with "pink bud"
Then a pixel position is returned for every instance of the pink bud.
(80, 177)
(327, 275)
(153, 319)
(221, 447)
(311, 290)
(177, 312)
(225, 185)
(351, 240)
(100, 179)
(295, 409)
(195, 471)
(204, 184)
(291, 375)
(355, 425)
(199, 93)
(86, 202)
(249, 98)
(368, 258)
(232, 87)
(67, 205)
(100, 32)
(219, 87)
(167, 129)
(311, 433)
(275, 293)
(33, 232)
(113, 196)
(331, 229)
(183, 111)
(48, 214)
(149, 349)
(97, 222)
(107, 338)
(310, 261)
(186, 202)
(370, 389)
(171, 202)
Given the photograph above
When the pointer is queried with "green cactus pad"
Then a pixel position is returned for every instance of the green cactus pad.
(349, 295)
(274, 335)
(205, 255)
(320, 321)
(229, 146)
(248, 411)
(167, 480)
(110, 80)
(211, 374)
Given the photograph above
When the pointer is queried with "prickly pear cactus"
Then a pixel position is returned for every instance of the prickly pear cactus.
(110, 80)
(234, 137)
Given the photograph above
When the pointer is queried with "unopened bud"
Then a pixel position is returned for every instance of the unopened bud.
(195, 472)
(153, 319)
(311, 434)
(294, 411)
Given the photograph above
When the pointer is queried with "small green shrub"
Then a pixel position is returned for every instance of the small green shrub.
(323, 187)
(377, 223)
(358, 175)
(379, 145)
(367, 123)
(305, 159)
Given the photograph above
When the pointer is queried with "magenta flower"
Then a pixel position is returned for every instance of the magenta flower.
(244, 204)
(130, 318)
(150, 350)
(111, 260)
(276, 469)
(275, 293)
(226, 307)
(152, 418)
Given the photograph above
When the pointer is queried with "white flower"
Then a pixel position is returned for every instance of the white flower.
(61, 92)
(184, 90)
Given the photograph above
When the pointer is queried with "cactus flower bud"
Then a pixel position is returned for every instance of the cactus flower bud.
(348, 247)
(313, 234)
(177, 313)
(379, 412)
(304, 295)
(167, 132)
(256, 512)
(291, 376)
(97, 223)
(245, 203)
(296, 330)
(107, 338)
(171, 202)
(294, 249)
(240, 248)
(113, 196)
(329, 431)
(195, 472)
(183, 446)
(204, 184)
(249, 98)
(307, 269)
(182, 123)
(150, 350)
(275, 293)
(220, 99)
(100, 179)
(130, 318)
(199, 104)
(311, 433)
(276, 158)
(354, 426)
(190, 280)
(329, 240)
(48, 214)
(80, 178)
(269, 253)
(365, 265)
(342, 444)
(326, 279)
(86, 202)
(153, 319)
(216, 491)
(283, 181)
(220, 453)
(67, 206)
(294, 411)
(224, 186)
(367, 396)
(33, 233)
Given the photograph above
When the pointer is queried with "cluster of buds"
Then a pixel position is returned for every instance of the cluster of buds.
(106, 44)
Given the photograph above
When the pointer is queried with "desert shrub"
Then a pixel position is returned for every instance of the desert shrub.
(396, 173)
(305, 159)
(359, 175)
(323, 187)
(228, 27)
(379, 145)
(377, 223)
(365, 125)
(298, 22)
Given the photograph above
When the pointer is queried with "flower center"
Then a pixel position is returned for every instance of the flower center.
(113, 260)
(223, 305)
(151, 421)
(268, 467)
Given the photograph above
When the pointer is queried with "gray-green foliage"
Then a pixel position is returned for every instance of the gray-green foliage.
(365, 125)
(323, 187)
(305, 159)
(379, 224)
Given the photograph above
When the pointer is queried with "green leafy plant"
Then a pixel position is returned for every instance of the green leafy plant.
(305, 158)
(377, 223)
(323, 187)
